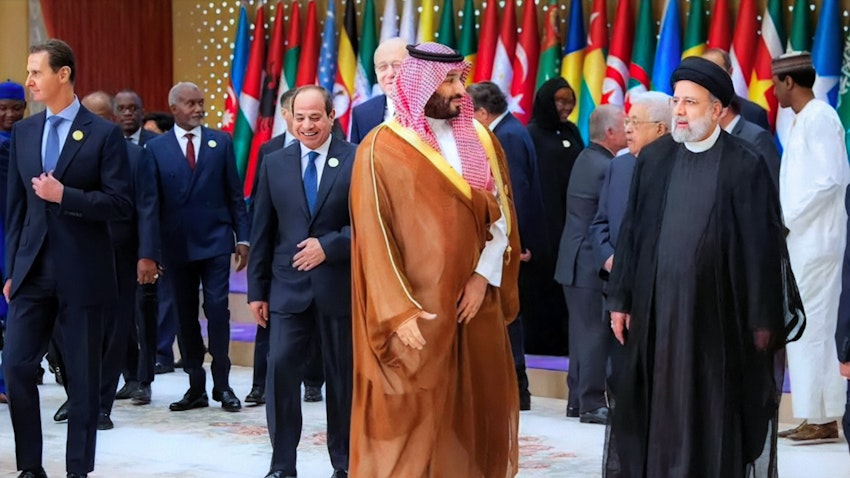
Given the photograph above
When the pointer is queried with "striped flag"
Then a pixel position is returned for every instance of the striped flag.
(573, 58)
(844, 93)
(249, 99)
(619, 56)
(505, 49)
(799, 39)
(426, 22)
(389, 21)
(345, 90)
(550, 50)
(668, 55)
(826, 51)
(720, 32)
(525, 63)
(446, 32)
(407, 29)
(694, 42)
(309, 62)
(468, 45)
(328, 51)
(593, 70)
(489, 34)
(268, 98)
(290, 65)
(743, 54)
(241, 49)
(770, 46)
(366, 80)
(643, 53)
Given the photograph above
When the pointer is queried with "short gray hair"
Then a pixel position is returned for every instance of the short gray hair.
(174, 94)
(604, 117)
(657, 105)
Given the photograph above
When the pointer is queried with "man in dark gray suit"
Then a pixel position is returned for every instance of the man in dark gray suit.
(578, 272)
(749, 110)
(735, 124)
(299, 276)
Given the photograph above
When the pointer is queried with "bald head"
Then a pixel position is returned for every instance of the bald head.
(719, 58)
(388, 57)
(99, 103)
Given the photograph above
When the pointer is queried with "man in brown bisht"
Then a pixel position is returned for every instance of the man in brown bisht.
(435, 255)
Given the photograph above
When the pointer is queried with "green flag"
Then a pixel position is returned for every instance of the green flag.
(843, 107)
(468, 45)
(643, 51)
(446, 33)
(801, 35)
(366, 79)
(550, 48)
(695, 33)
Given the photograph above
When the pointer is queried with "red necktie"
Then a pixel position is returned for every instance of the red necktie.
(190, 151)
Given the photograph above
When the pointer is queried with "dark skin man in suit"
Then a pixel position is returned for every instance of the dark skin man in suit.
(60, 269)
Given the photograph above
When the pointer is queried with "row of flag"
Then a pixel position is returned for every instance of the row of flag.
(602, 66)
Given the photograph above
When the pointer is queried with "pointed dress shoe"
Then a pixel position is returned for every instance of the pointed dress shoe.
(257, 395)
(228, 400)
(33, 474)
(142, 395)
(598, 416)
(787, 433)
(572, 412)
(62, 414)
(161, 368)
(280, 474)
(812, 434)
(189, 401)
(126, 392)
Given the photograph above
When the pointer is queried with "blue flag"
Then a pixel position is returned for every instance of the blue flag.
(327, 56)
(827, 51)
(668, 55)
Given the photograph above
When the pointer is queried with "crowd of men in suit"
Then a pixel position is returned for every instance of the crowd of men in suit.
(85, 177)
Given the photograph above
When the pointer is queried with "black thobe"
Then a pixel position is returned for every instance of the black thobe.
(699, 268)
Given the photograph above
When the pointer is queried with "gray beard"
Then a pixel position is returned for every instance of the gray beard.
(696, 131)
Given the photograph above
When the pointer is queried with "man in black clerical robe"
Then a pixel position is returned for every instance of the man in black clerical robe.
(698, 283)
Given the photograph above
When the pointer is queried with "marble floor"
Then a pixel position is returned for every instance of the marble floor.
(150, 441)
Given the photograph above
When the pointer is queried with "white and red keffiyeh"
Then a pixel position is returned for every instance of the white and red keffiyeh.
(415, 83)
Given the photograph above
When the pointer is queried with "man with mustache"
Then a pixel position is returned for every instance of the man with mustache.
(435, 258)
(698, 283)
(201, 210)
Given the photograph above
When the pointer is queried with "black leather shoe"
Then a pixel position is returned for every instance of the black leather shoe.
(340, 474)
(572, 412)
(279, 474)
(178, 363)
(104, 422)
(228, 400)
(142, 395)
(75, 475)
(62, 414)
(33, 474)
(257, 395)
(161, 368)
(126, 391)
(598, 416)
(312, 394)
(189, 401)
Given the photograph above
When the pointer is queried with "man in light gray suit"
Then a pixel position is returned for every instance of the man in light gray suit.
(578, 271)
(761, 139)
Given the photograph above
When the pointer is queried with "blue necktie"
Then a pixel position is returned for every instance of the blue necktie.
(51, 150)
(311, 180)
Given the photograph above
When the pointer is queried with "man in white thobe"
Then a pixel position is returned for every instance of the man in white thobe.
(813, 176)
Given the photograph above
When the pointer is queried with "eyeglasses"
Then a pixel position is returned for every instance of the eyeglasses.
(635, 123)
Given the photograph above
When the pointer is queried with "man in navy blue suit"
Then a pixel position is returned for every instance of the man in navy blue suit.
(129, 112)
(68, 177)
(299, 277)
(365, 116)
(491, 110)
(201, 210)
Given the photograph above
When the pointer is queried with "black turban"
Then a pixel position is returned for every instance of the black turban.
(706, 74)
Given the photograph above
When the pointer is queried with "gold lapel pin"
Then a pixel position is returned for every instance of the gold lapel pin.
(333, 162)
(77, 135)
